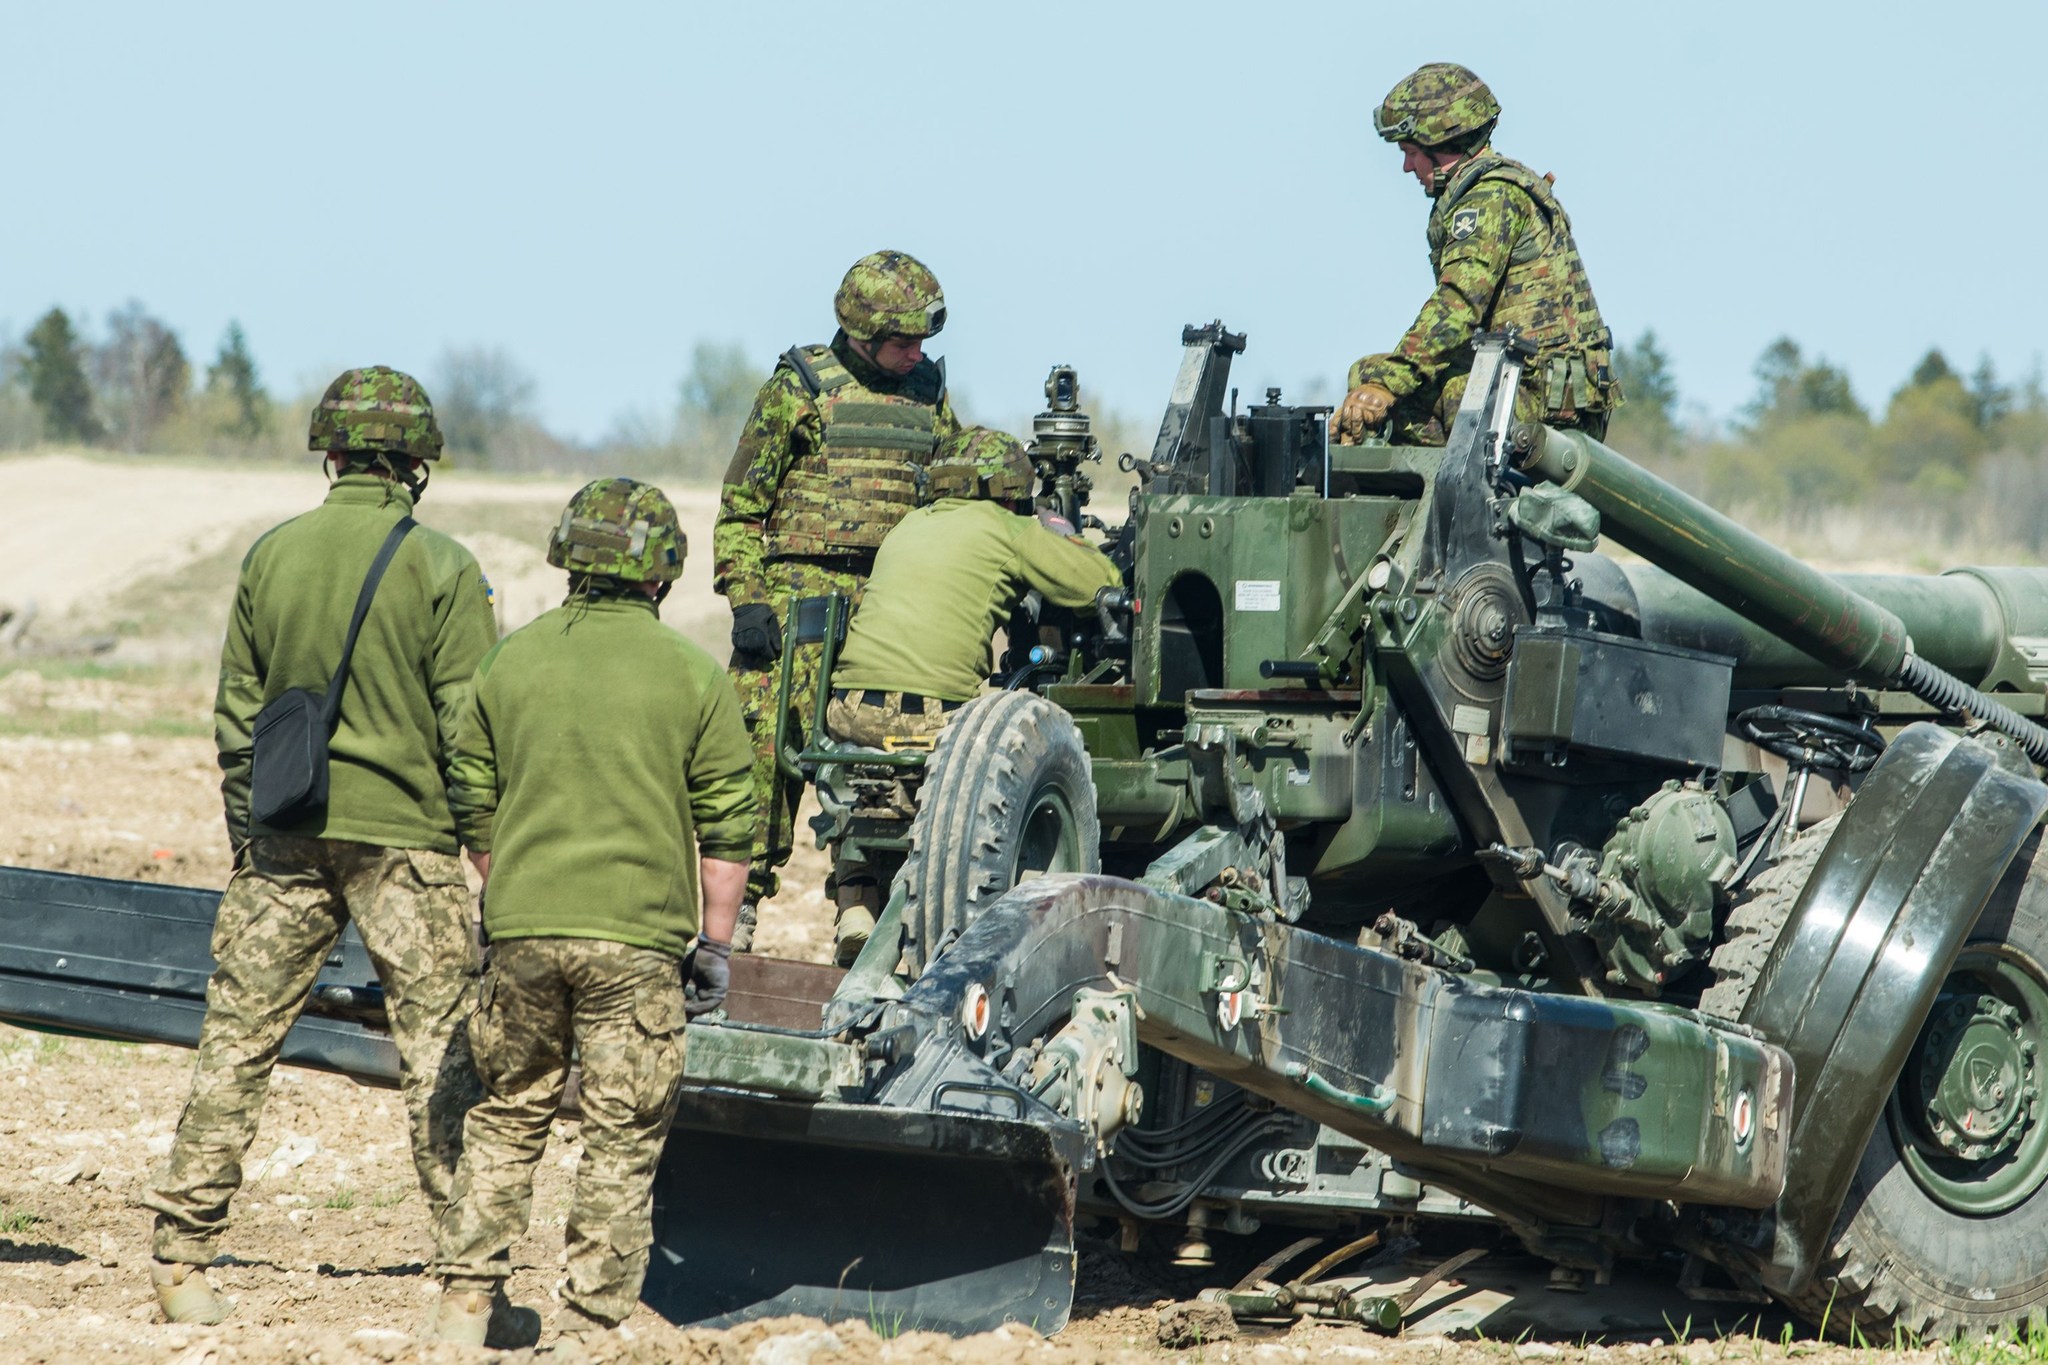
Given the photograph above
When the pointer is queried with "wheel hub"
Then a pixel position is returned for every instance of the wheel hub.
(1971, 1072)
(1967, 1113)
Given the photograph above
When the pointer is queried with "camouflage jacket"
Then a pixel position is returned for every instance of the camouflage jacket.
(785, 430)
(1502, 249)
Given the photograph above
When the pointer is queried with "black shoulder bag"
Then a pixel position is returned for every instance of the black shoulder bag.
(288, 768)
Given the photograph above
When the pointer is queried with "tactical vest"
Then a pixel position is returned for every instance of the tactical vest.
(1545, 292)
(844, 494)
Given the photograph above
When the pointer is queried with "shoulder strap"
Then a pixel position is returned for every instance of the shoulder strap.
(331, 704)
(795, 358)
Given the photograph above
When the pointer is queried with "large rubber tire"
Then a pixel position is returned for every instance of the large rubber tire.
(1008, 795)
(1899, 1259)
(1757, 920)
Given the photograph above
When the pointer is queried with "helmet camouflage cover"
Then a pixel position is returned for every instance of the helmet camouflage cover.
(376, 409)
(1435, 104)
(619, 528)
(981, 463)
(890, 293)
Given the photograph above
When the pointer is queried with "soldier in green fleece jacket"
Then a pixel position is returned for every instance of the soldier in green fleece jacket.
(381, 852)
(920, 646)
(603, 764)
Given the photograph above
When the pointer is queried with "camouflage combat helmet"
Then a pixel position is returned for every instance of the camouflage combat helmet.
(376, 409)
(1435, 104)
(890, 293)
(980, 463)
(619, 528)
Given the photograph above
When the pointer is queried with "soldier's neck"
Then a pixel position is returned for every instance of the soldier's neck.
(859, 366)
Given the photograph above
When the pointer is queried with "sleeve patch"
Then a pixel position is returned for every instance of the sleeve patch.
(1464, 223)
(490, 593)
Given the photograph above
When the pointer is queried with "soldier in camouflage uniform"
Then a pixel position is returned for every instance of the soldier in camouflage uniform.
(381, 852)
(827, 463)
(603, 765)
(1501, 248)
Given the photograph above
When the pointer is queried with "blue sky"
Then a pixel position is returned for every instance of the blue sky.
(595, 188)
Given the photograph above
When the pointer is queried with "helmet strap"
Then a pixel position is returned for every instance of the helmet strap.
(415, 480)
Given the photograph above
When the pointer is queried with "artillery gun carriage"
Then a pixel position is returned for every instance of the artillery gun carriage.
(1386, 858)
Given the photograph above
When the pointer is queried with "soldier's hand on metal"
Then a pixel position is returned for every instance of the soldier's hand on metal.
(755, 631)
(706, 977)
(1364, 408)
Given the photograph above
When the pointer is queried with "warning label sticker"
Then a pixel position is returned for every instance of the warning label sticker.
(1258, 594)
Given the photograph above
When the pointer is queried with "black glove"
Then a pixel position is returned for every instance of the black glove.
(706, 976)
(755, 631)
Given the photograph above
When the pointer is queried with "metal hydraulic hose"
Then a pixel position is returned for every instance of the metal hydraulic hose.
(1754, 578)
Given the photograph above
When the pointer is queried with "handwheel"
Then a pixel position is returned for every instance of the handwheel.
(1808, 739)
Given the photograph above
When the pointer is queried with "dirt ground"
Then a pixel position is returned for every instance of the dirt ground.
(106, 768)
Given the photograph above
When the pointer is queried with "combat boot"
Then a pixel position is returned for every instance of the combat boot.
(578, 1334)
(850, 930)
(184, 1295)
(482, 1317)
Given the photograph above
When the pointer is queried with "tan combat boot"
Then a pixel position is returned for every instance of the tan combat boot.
(578, 1335)
(850, 930)
(482, 1317)
(184, 1295)
(460, 1315)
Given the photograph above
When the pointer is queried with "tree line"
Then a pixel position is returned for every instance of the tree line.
(1958, 456)
(134, 388)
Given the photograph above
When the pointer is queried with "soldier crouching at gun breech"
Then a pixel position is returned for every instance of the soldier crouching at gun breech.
(920, 646)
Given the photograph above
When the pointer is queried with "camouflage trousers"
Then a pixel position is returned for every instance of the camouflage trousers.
(758, 681)
(1424, 418)
(281, 916)
(853, 720)
(620, 1009)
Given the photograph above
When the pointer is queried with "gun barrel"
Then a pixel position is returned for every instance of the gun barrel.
(1820, 615)
(1958, 620)
(1817, 614)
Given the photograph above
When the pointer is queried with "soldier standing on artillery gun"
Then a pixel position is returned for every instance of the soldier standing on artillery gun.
(602, 765)
(380, 850)
(920, 646)
(828, 462)
(1501, 248)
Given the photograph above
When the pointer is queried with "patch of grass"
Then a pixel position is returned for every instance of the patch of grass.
(48, 722)
(35, 1047)
(343, 1198)
(389, 1197)
(26, 1044)
(2015, 1346)
(14, 1222)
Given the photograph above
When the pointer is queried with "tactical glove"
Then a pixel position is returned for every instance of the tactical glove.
(706, 977)
(755, 631)
(1365, 408)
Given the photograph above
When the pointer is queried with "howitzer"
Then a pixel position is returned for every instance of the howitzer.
(1402, 859)
(1447, 870)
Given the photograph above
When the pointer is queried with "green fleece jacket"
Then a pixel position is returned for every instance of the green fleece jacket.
(944, 578)
(600, 755)
(428, 625)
